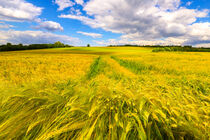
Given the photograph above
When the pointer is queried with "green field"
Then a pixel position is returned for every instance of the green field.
(104, 93)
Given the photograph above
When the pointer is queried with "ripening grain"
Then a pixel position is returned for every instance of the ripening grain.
(104, 93)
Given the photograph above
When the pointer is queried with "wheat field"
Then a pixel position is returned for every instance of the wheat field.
(105, 93)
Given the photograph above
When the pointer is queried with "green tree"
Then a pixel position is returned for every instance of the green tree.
(88, 45)
(9, 44)
(58, 44)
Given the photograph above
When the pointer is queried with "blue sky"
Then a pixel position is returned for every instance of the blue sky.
(105, 22)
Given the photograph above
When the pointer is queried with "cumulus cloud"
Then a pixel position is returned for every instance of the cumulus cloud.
(94, 35)
(18, 10)
(63, 4)
(198, 33)
(49, 26)
(34, 37)
(144, 20)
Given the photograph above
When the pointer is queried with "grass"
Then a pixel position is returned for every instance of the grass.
(83, 93)
(133, 65)
(96, 68)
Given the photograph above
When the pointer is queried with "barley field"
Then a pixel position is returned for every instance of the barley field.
(104, 93)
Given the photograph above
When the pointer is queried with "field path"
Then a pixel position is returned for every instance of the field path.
(115, 66)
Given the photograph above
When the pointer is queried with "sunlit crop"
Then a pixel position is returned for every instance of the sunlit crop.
(104, 93)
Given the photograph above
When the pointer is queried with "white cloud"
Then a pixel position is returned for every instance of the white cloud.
(147, 20)
(81, 2)
(63, 4)
(34, 37)
(84, 19)
(207, 45)
(123, 41)
(94, 35)
(74, 11)
(49, 26)
(18, 10)
(189, 3)
(198, 33)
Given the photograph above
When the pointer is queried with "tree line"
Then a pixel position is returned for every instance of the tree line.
(151, 46)
(169, 48)
(180, 49)
(11, 47)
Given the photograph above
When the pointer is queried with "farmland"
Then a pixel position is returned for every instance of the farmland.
(104, 93)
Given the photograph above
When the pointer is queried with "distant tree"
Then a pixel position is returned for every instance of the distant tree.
(187, 46)
(9, 44)
(58, 44)
(88, 45)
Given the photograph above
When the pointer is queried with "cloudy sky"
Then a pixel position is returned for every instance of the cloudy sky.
(104, 22)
